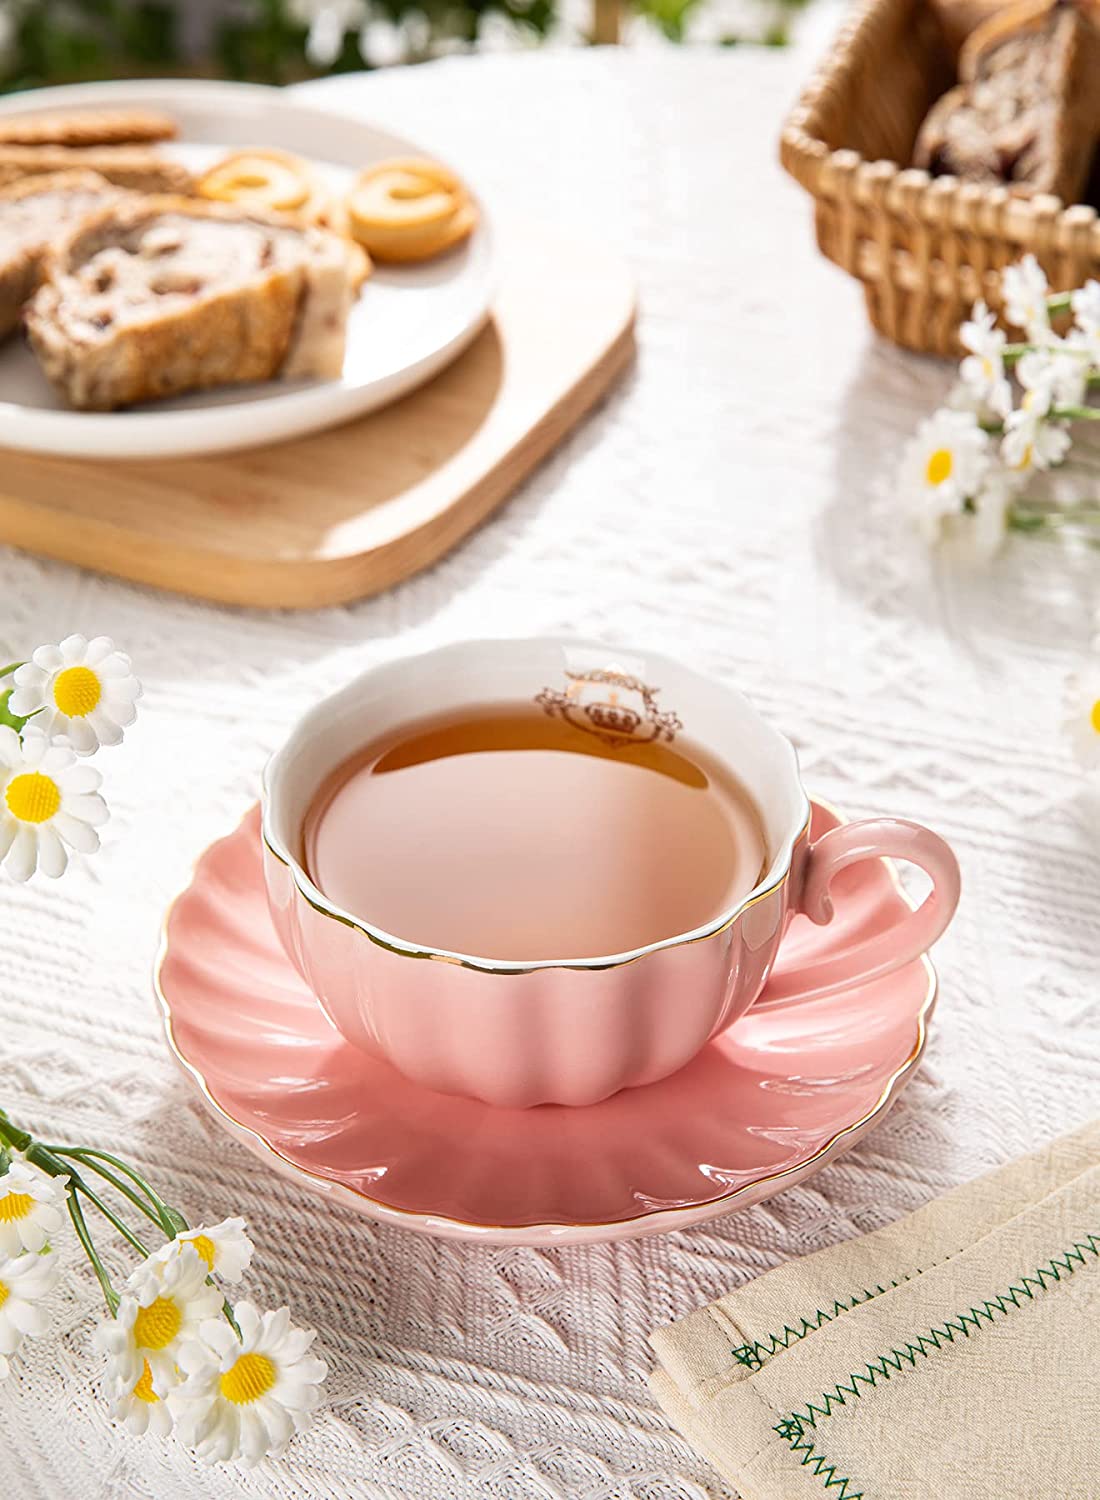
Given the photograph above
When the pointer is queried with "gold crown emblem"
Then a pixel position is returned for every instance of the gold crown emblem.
(613, 717)
(615, 707)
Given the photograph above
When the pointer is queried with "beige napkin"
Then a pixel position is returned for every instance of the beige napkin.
(954, 1355)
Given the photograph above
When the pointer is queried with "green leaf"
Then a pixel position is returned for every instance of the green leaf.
(13, 721)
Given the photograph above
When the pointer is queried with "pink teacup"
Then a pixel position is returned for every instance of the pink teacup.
(564, 1030)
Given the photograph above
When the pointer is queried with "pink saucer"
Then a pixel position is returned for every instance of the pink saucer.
(761, 1107)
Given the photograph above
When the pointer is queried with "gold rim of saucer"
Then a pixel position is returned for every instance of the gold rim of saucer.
(655, 1220)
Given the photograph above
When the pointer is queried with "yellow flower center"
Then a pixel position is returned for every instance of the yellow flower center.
(1026, 457)
(204, 1247)
(1094, 716)
(5, 1292)
(15, 1206)
(987, 367)
(76, 691)
(157, 1325)
(247, 1379)
(939, 467)
(32, 797)
(144, 1389)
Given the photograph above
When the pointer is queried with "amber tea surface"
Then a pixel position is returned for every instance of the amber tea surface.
(509, 834)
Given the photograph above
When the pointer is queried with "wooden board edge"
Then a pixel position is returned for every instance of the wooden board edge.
(340, 580)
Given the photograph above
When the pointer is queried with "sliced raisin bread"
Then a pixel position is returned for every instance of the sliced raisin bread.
(162, 295)
(1027, 111)
(33, 213)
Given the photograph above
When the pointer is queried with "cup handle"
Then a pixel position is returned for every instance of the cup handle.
(903, 941)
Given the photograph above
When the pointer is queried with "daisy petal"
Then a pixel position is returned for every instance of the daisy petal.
(58, 758)
(52, 859)
(277, 1422)
(24, 701)
(120, 698)
(27, 1318)
(115, 667)
(22, 858)
(100, 647)
(89, 807)
(249, 1322)
(82, 777)
(103, 728)
(81, 735)
(36, 746)
(77, 835)
(72, 648)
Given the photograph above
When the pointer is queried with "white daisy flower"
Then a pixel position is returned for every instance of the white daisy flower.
(1082, 720)
(976, 530)
(47, 801)
(328, 22)
(245, 1399)
(382, 44)
(1025, 291)
(1032, 441)
(163, 1305)
(224, 1248)
(25, 1280)
(982, 532)
(1060, 367)
(32, 1207)
(983, 370)
(135, 1404)
(944, 463)
(1086, 310)
(81, 689)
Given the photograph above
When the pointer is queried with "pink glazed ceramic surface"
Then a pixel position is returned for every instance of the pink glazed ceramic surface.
(560, 1029)
(760, 1107)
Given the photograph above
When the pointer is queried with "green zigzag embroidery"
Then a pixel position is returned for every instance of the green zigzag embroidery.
(754, 1354)
(838, 1484)
(792, 1428)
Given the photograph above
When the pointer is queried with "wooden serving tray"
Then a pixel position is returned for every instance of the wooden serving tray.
(345, 513)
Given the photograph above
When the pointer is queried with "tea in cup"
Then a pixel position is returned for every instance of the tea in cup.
(543, 870)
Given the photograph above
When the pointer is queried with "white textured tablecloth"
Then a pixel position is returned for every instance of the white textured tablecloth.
(731, 502)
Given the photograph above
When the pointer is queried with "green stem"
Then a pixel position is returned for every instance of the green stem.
(1060, 302)
(51, 1162)
(1076, 413)
(85, 1160)
(112, 1218)
(1034, 515)
(227, 1313)
(12, 1135)
(76, 1213)
(12, 666)
(169, 1218)
(33, 1150)
(52, 1159)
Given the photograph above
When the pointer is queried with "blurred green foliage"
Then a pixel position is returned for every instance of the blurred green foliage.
(269, 41)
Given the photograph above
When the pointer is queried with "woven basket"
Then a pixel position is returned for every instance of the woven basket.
(925, 248)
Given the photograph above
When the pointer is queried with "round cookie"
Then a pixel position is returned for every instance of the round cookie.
(409, 209)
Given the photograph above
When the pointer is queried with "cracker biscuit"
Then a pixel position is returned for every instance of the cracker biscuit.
(100, 127)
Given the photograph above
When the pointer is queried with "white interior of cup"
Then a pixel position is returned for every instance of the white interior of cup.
(497, 671)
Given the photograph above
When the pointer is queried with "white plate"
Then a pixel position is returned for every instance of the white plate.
(408, 323)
